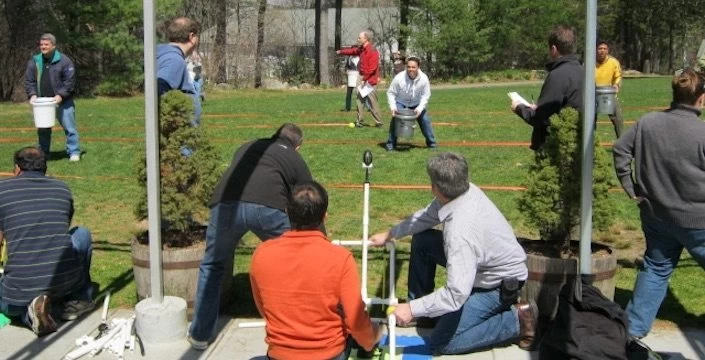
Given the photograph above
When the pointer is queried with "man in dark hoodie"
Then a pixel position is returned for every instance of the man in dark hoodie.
(252, 195)
(52, 74)
(172, 73)
(563, 86)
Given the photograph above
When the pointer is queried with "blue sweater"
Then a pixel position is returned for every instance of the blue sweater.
(35, 213)
(171, 70)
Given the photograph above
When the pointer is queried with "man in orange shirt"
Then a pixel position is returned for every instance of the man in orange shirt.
(308, 289)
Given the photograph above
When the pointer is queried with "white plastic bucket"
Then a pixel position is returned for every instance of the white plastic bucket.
(44, 109)
(352, 78)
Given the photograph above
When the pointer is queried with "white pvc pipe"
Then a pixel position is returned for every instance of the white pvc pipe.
(347, 242)
(251, 324)
(365, 237)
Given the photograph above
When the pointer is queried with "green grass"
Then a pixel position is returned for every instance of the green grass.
(112, 135)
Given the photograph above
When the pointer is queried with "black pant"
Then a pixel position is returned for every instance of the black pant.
(348, 98)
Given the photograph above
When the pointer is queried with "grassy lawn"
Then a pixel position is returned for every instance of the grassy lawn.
(475, 122)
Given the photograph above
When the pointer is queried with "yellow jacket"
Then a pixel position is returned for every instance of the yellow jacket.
(608, 73)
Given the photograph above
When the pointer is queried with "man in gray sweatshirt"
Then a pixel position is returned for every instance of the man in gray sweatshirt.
(667, 151)
(480, 252)
(411, 89)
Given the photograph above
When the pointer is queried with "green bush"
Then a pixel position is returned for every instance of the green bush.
(187, 182)
(551, 201)
(297, 69)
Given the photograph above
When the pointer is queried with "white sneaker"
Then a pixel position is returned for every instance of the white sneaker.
(75, 158)
(197, 344)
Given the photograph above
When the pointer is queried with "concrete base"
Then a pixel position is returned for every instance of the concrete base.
(161, 322)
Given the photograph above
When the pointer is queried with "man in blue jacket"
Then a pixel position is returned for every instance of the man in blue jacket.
(52, 74)
(172, 73)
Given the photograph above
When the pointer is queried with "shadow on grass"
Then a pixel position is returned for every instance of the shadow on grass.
(402, 146)
(103, 245)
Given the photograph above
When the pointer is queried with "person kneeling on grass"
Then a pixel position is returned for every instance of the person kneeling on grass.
(484, 261)
(308, 289)
(45, 260)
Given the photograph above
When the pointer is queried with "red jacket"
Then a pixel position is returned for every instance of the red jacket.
(300, 282)
(369, 61)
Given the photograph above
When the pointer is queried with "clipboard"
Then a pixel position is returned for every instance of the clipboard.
(365, 89)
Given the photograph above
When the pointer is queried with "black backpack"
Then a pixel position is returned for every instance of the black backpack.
(588, 326)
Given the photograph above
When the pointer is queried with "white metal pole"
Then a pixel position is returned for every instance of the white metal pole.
(151, 137)
(588, 138)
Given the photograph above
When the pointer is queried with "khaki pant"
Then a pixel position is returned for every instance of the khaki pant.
(374, 106)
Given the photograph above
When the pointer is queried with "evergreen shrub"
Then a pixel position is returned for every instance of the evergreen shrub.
(187, 182)
(551, 202)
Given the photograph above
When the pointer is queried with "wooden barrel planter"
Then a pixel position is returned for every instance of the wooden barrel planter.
(180, 272)
(547, 275)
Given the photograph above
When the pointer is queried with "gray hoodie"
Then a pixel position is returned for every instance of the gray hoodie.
(412, 93)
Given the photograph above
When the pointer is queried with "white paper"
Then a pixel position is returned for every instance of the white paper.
(365, 89)
(516, 97)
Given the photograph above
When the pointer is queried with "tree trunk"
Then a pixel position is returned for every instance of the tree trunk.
(221, 42)
(403, 24)
(338, 23)
(322, 76)
(261, 11)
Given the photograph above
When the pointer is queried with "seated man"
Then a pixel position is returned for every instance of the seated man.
(308, 289)
(45, 260)
(475, 309)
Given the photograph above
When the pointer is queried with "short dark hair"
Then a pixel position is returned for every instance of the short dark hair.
(449, 174)
(414, 59)
(307, 206)
(291, 133)
(688, 86)
(31, 158)
(563, 38)
(600, 42)
(179, 29)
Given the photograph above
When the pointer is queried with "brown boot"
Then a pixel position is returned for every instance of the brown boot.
(528, 314)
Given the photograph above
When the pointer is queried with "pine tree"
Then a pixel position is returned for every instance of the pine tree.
(551, 202)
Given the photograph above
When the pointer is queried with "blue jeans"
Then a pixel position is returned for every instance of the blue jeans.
(66, 113)
(481, 322)
(83, 248)
(197, 109)
(424, 122)
(228, 223)
(664, 245)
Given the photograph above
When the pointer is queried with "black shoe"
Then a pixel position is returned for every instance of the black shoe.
(359, 125)
(379, 124)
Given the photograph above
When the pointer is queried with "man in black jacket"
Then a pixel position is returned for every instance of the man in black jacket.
(252, 195)
(563, 86)
(52, 74)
